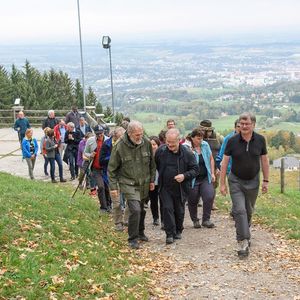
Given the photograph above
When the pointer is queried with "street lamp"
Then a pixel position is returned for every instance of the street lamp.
(81, 56)
(106, 45)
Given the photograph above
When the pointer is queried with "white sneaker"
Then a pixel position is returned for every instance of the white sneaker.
(243, 248)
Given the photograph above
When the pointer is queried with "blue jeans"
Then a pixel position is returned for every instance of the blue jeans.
(72, 164)
(52, 166)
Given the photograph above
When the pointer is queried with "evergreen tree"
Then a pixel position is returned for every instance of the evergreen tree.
(99, 108)
(6, 95)
(91, 97)
(78, 93)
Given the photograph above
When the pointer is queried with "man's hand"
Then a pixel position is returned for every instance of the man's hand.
(179, 178)
(264, 187)
(152, 186)
(223, 189)
(213, 177)
(114, 193)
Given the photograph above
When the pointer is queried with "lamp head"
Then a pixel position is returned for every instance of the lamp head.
(106, 41)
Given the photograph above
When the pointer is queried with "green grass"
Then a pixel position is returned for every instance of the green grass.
(52, 245)
(290, 126)
(278, 211)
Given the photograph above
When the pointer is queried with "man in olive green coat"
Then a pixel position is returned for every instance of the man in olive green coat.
(131, 170)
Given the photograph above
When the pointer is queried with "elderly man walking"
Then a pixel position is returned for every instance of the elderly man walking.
(247, 150)
(177, 166)
(131, 169)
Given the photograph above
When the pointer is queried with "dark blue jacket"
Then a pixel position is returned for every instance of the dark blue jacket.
(104, 157)
(21, 125)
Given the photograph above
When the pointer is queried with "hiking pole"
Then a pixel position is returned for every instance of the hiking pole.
(84, 175)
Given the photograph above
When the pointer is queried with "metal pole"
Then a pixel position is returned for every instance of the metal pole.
(81, 56)
(111, 85)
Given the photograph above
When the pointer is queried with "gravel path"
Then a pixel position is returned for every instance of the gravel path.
(204, 264)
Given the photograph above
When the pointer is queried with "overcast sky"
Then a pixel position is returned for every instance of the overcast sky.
(40, 21)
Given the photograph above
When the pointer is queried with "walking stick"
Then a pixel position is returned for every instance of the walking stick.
(83, 178)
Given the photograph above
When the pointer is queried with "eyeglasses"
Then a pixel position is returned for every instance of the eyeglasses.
(245, 124)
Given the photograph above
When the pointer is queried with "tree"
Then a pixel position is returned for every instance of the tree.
(6, 94)
(99, 108)
(292, 141)
(91, 98)
(78, 93)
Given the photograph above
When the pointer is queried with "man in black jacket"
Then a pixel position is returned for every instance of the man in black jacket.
(176, 166)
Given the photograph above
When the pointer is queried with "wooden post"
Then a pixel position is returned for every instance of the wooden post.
(282, 176)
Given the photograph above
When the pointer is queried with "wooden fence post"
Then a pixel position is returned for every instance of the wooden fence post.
(282, 176)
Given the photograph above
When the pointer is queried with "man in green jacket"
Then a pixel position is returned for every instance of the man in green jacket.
(131, 170)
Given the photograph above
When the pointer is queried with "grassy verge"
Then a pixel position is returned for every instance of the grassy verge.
(53, 247)
(280, 212)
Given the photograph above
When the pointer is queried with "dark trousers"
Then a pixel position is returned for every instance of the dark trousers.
(46, 161)
(72, 163)
(206, 191)
(136, 219)
(153, 196)
(173, 211)
(52, 166)
(96, 175)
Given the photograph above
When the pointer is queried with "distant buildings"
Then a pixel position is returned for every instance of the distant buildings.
(291, 163)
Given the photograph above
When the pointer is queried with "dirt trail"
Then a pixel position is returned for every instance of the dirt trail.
(207, 267)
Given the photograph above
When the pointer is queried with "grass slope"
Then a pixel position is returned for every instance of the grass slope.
(51, 246)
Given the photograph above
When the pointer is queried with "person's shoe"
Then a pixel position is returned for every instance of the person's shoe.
(72, 178)
(63, 180)
(214, 208)
(155, 222)
(177, 236)
(119, 227)
(134, 244)
(243, 248)
(162, 226)
(143, 237)
(169, 240)
(197, 224)
(46, 174)
(208, 224)
(54, 181)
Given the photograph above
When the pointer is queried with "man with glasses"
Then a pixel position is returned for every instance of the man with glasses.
(247, 149)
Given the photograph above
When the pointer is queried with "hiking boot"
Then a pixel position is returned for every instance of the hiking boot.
(177, 236)
(143, 237)
(208, 224)
(119, 227)
(155, 222)
(243, 248)
(134, 244)
(54, 181)
(169, 240)
(197, 224)
(63, 180)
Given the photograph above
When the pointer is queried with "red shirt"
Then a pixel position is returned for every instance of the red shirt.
(96, 163)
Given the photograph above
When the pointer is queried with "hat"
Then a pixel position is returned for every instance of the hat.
(98, 129)
(206, 125)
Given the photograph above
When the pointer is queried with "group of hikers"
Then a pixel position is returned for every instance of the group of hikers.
(126, 169)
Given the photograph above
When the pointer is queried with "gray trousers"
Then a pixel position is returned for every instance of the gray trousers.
(243, 195)
(30, 163)
(207, 192)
